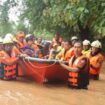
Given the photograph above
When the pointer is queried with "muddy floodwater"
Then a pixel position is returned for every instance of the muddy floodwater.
(26, 92)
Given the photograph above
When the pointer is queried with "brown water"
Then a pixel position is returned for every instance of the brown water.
(25, 92)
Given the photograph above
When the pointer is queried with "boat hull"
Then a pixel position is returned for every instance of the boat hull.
(43, 70)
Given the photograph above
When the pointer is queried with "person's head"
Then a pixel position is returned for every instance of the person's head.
(67, 45)
(74, 39)
(78, 47)
(29, 40)
(86, 45)
(57, 35)
(9, 36)
(39, 40)
(20, 36)
(8, 45)
(96, 47)
(31, 36)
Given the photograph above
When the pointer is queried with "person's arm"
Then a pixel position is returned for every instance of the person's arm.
(81, 64)
(98, 65)
(69, 68)
(9, 62)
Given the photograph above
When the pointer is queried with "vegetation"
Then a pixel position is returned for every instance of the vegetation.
(84, 18)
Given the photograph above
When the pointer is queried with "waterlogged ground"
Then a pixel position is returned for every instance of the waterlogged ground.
(25, 92)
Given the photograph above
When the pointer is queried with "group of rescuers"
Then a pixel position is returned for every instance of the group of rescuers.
(84, 59)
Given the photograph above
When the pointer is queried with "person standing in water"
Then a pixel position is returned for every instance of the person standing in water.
(78, 68)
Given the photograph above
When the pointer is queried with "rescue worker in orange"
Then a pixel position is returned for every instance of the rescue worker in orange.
(78, 69)
(8, 60)
(66, 53)
(20, 39)
(74, 39)
(96, 59)
(86, 46)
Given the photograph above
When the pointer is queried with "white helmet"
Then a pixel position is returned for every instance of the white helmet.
(9, 36)
(86, 42)
(96, 44)
(28, 35)
(74, 38)
(7, 40)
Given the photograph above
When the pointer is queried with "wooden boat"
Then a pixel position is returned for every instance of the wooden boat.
(43, 70)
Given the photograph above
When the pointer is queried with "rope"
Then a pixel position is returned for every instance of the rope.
(33, 70)
(40, 67)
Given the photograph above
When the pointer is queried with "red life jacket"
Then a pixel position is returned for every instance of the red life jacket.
(81, 78)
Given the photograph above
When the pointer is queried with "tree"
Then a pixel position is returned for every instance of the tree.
(6, 26)
(71, 17)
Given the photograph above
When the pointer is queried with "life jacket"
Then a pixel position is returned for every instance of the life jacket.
(66, 55)
(81, 78)
(15, 51)
(9, 70)
(20, 44)
(94, 61)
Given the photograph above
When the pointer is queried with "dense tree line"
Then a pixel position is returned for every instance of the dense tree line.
(85, 18)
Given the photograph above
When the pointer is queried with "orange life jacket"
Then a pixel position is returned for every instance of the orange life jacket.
(94, 61)
(20, 44)
(81, 78)
(66, 55)
(9, 70)
(15, 51)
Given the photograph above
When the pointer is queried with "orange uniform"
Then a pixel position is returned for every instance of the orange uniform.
(9, 65)
(65, 55)
(20, 36)
(95, 63)
(19, 44)
(15, 51)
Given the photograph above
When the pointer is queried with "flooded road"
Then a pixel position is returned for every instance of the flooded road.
(26, 92)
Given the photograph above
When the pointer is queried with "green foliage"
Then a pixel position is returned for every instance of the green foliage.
(5, 25)
(85, 18)
(68, 17)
